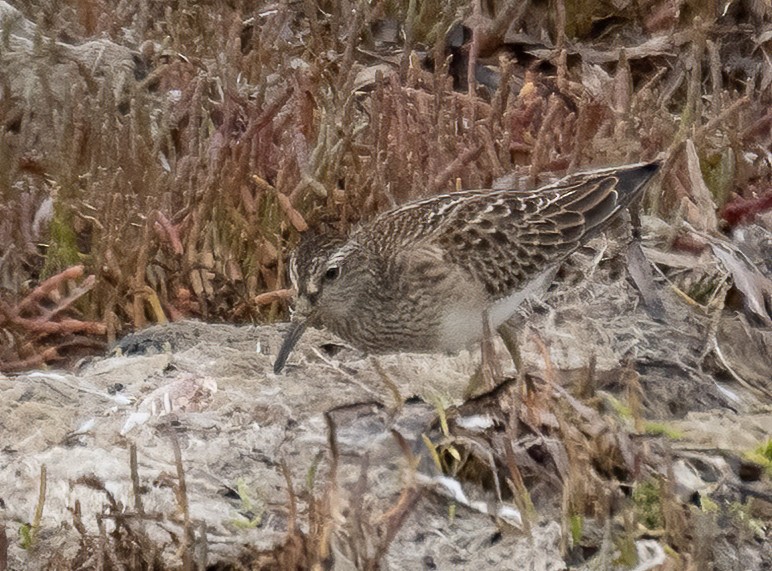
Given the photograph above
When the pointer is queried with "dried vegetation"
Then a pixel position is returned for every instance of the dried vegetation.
(177, 156)
(158, 160)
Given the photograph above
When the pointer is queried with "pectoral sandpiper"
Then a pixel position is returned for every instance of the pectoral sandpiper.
(425, 277)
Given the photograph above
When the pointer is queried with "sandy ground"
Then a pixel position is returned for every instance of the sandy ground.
(210, 389)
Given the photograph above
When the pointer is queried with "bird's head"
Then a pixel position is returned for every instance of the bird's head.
(326, 276)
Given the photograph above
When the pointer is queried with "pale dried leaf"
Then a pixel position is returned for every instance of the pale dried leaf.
(596, 80)
(755, 287)
(366, 76)
(640, 271)
(705, 217)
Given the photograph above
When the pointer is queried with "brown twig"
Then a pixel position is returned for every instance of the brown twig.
(51, 284)
(454, 167)
(269, 297)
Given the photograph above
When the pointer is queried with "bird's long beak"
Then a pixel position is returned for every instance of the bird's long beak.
(293, 336)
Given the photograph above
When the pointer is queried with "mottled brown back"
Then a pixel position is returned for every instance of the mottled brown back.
(503, 237)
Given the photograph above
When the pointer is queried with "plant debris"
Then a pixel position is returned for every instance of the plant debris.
(159, 161)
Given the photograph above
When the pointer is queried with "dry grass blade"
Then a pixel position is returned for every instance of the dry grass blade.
(133, 467)
(38, 517)
(187, 545)
(393, 519)
(294, 552)
(520, 491)
(3, 548)
(642, 275)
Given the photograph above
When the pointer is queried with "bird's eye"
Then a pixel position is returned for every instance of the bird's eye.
(332, 273)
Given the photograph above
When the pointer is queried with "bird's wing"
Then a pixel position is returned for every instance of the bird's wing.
(520, 233)
(502, 238)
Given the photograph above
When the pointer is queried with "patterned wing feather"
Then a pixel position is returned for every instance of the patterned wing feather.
(505, 237)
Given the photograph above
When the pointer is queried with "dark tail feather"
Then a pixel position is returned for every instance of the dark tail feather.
(614, 192)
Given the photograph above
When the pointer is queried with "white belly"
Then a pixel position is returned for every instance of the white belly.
(504, 308)
(462, 324)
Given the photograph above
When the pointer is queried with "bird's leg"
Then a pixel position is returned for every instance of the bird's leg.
(489, 368)
(509, 335)
(488, 373)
